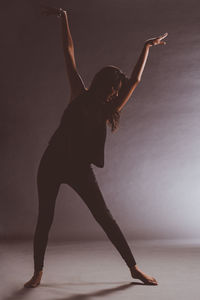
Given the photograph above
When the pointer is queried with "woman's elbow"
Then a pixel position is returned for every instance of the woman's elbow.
(135, 81)
(138, 79)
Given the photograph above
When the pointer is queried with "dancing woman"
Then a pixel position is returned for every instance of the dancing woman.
(79, 142)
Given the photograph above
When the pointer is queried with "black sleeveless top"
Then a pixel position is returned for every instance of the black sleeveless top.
(81, 134)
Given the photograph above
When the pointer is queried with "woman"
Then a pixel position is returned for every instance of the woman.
(79, 142)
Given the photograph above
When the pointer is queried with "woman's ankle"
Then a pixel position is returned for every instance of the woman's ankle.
(133, 267)
(38, 272)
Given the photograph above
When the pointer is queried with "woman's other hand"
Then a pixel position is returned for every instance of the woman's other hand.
(157, 41)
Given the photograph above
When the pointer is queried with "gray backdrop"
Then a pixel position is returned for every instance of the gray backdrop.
(151, 176)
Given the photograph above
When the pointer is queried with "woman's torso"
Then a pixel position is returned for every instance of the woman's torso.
(81, 134)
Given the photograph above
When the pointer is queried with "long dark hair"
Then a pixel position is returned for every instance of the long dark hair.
(108, 77)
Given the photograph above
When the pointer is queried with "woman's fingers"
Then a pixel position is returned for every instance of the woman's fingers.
(159, 42)
(163, 36)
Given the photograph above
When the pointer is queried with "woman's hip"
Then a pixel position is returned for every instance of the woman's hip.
(55, 164)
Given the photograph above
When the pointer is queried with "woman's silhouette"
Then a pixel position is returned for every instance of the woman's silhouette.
(79, 142)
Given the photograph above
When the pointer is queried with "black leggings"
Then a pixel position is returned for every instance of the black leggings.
(54, 170)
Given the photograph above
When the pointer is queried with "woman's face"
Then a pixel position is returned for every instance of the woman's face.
(114, 92)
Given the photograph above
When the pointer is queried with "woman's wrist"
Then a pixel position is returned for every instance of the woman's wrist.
(147, 44)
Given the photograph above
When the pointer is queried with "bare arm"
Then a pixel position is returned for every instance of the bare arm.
(75, 80)
(138, 69)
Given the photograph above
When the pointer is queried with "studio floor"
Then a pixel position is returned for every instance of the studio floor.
(95, 270)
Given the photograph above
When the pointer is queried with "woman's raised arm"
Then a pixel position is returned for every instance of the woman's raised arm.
(139, 68)
(75, 80)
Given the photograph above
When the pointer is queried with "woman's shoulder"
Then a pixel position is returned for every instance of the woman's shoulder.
(83, 94)
(78, 102)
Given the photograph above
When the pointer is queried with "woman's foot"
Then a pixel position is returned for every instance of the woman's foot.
(34, 281)
(138, 274)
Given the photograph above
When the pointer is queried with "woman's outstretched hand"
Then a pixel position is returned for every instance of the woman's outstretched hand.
(51, 11)
(157, 41)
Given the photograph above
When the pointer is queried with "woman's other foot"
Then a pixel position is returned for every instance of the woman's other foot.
(138, 274)
(34, 281)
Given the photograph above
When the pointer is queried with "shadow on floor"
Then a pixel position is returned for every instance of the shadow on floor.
(101, 293)
(20, 294)
(24, 293)
(55, 285)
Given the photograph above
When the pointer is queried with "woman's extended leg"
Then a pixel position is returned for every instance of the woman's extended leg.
(47, 192)
(87, 187)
